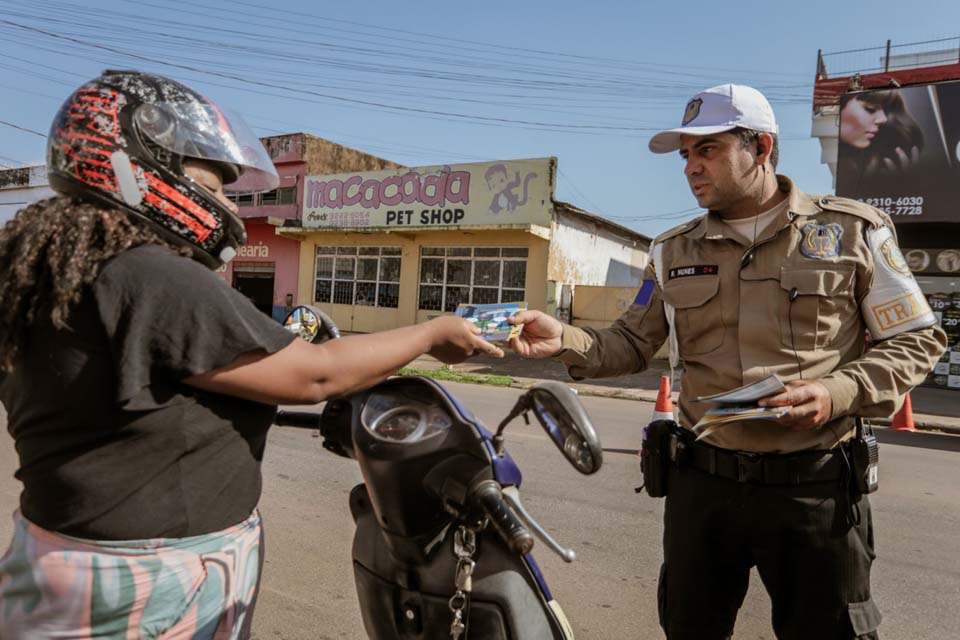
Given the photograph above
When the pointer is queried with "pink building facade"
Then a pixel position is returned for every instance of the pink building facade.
(266, 268)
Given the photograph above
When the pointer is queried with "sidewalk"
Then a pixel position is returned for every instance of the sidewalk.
(934, 409)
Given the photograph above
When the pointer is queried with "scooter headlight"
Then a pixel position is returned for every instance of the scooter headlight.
(398, 418)
(399, 424)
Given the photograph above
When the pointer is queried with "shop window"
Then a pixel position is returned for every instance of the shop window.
(514, 274)
(482, 275)
(342, 292)
(486, 273)
(366, 294)
(322, 292)
(483, 295)
(458, 272)
(455, 296)
(512, 295)
(431, 270)
(287, 195)
(367, 269)
(388, 295)
(358, 275)
(431, 298)
(389, 269)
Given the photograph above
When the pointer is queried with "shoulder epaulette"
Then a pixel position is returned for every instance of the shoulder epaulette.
(874, 216)
(678, 230)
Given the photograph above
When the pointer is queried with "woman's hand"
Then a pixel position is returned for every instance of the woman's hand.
(541, 335)
(454, 340)
(901, 162)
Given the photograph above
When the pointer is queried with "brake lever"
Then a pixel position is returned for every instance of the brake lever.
(512, 497)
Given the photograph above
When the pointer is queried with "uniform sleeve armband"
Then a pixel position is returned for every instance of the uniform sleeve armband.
(894, 303)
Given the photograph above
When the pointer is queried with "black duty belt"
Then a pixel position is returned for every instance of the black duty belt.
(766, 468)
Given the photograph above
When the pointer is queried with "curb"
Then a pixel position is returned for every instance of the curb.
(922, 422)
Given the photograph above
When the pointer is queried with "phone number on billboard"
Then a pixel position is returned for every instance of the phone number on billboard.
(902, 206)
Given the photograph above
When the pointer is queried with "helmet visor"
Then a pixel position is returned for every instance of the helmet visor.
(205, 132)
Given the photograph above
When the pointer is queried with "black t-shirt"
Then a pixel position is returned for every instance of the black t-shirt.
(112, 444)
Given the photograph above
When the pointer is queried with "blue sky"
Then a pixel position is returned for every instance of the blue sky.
(437, 82)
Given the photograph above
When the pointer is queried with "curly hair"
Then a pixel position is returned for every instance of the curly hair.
(49, 252)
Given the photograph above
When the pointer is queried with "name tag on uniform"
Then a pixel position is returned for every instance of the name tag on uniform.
(694, 270)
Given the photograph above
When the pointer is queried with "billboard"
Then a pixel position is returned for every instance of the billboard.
(505, 192)
(899, 150)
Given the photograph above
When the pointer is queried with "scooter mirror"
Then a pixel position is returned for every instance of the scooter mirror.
(311, 324)
(564, 419)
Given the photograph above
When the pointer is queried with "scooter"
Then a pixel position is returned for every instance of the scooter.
(442, 548)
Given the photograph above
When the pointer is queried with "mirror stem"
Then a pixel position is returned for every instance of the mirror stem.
(498, 444)
(522, 406)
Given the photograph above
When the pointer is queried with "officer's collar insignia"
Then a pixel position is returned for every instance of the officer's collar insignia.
(821, 241)
(893, 258)
(693, 110)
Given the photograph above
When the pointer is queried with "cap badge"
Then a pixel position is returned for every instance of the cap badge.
(693, 110)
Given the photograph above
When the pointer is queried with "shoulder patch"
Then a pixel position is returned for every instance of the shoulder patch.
(678, 230)
(874, 216)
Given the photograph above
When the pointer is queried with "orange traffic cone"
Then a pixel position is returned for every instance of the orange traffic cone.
(663, 410)
(903, 419)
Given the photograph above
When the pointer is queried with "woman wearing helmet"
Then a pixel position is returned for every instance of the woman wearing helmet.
(138, 387)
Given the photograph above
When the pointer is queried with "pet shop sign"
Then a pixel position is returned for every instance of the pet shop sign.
(490, 193)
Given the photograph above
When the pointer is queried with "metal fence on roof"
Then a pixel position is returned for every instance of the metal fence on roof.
(889, 57)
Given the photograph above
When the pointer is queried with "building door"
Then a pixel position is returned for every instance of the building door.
(255, 280)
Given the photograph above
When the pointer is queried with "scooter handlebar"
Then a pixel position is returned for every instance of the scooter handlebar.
(489, 497)
(301, 419)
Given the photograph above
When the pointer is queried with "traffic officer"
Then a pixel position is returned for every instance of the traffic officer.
(770, 280)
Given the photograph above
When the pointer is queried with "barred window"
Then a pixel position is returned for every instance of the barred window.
(243, 199)
(286, 195)
(366, 276)
(482, 275)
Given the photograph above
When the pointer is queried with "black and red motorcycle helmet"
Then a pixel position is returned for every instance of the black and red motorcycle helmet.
(121, 140)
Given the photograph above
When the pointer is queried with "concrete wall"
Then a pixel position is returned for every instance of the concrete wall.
(367, 319)
(22, 186)
(584, 252)
(12, 200)
(326, 157)
(598, 307)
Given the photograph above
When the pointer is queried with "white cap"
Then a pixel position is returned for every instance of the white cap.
(716, 110)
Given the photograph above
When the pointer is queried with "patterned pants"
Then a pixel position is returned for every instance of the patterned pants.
(199, 588)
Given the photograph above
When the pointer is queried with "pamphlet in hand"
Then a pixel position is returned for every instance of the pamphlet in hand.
(740, 404)
(492, 319)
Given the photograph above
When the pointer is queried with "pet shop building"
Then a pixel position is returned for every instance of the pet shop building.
(384, 249)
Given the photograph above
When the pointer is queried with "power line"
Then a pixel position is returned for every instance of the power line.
(370, 103)
(16, 126)
(13, 160)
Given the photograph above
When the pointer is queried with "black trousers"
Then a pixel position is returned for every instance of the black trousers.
(813, 560)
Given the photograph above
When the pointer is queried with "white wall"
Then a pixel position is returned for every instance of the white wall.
(585, 252)
(12, 200)
(20, 187)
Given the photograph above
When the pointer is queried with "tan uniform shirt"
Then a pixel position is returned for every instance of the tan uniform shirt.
(735, 322)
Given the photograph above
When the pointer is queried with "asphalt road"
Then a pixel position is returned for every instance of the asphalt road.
(610, 591)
